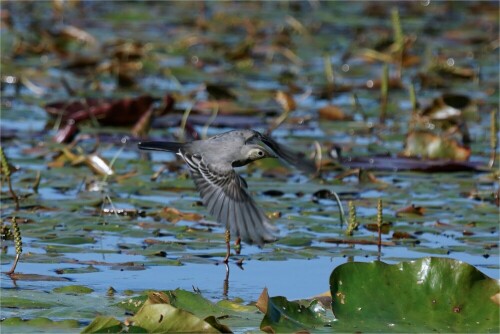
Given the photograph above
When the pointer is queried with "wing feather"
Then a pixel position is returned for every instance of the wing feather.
(224, 194)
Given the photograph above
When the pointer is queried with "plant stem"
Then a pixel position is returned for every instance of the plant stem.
(6, 172)
(384, 92)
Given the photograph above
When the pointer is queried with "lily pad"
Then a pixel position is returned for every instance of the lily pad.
(167, 318)
(103, 324)
(23, 303)
(19, 323)
(74, 289)
(426, 295)
(282, 315)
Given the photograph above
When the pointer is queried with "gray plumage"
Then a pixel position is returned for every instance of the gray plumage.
(222, 190)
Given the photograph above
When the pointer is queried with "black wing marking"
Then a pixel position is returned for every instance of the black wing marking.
(296, 159)
(224, 194)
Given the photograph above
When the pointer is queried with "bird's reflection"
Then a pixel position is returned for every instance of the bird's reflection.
(225, 284)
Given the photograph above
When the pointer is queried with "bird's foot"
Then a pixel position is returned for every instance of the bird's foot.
(237, 246)
(228, 247)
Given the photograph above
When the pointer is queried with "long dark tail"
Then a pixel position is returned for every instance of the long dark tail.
(160, 146)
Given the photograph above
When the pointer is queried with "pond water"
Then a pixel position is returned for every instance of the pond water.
(120, 50)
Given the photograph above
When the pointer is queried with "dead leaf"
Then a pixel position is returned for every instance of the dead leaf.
(412, 209)
(286, 101)
(263, 301)
(402, 235)
(332, 113)
(141, 128)
(174, 215)
(158, 297)
(98, 165)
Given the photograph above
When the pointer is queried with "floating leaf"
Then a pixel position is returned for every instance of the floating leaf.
(332, 113)
(426, 295)
(37, 277)
(174, 215)
(103, 324)
(23, 303)
(282, 315)
(73, 289)
(411, 210)
(40, 322)
(167, 318)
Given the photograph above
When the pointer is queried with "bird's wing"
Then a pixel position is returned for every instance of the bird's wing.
(224, 194)
(296, 159)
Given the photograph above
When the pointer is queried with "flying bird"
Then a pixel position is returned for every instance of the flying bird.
(211, 163)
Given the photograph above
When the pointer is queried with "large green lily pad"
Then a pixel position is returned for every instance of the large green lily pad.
(427, 295)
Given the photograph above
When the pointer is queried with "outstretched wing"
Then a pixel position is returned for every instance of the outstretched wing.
(296, 159)
(224, 194)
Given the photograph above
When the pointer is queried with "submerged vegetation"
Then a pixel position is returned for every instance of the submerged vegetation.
(399, 113)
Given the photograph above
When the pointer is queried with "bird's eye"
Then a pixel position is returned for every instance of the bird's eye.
(260, 153)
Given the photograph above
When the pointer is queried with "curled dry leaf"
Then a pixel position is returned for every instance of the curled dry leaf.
(263, 300)
(98, 165)
(286, 101)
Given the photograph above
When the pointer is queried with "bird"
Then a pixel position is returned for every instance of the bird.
(224, 192)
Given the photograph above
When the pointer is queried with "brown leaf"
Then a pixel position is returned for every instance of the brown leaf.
(158, 297)
(384, 229)
(412, 209)
(332, 113)
(286, 101)
(263, 301)
(141, 128)
(123, 112)
(402, 235)
(174, 215)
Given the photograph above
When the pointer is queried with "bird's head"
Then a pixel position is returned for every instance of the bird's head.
(256, 152)
(251, 153)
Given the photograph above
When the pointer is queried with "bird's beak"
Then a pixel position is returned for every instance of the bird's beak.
(270, 153)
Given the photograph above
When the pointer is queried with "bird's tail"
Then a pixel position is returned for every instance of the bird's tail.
(160, 146)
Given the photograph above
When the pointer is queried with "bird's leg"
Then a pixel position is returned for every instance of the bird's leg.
(225, 288)
(237, 245)
(228, 246)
